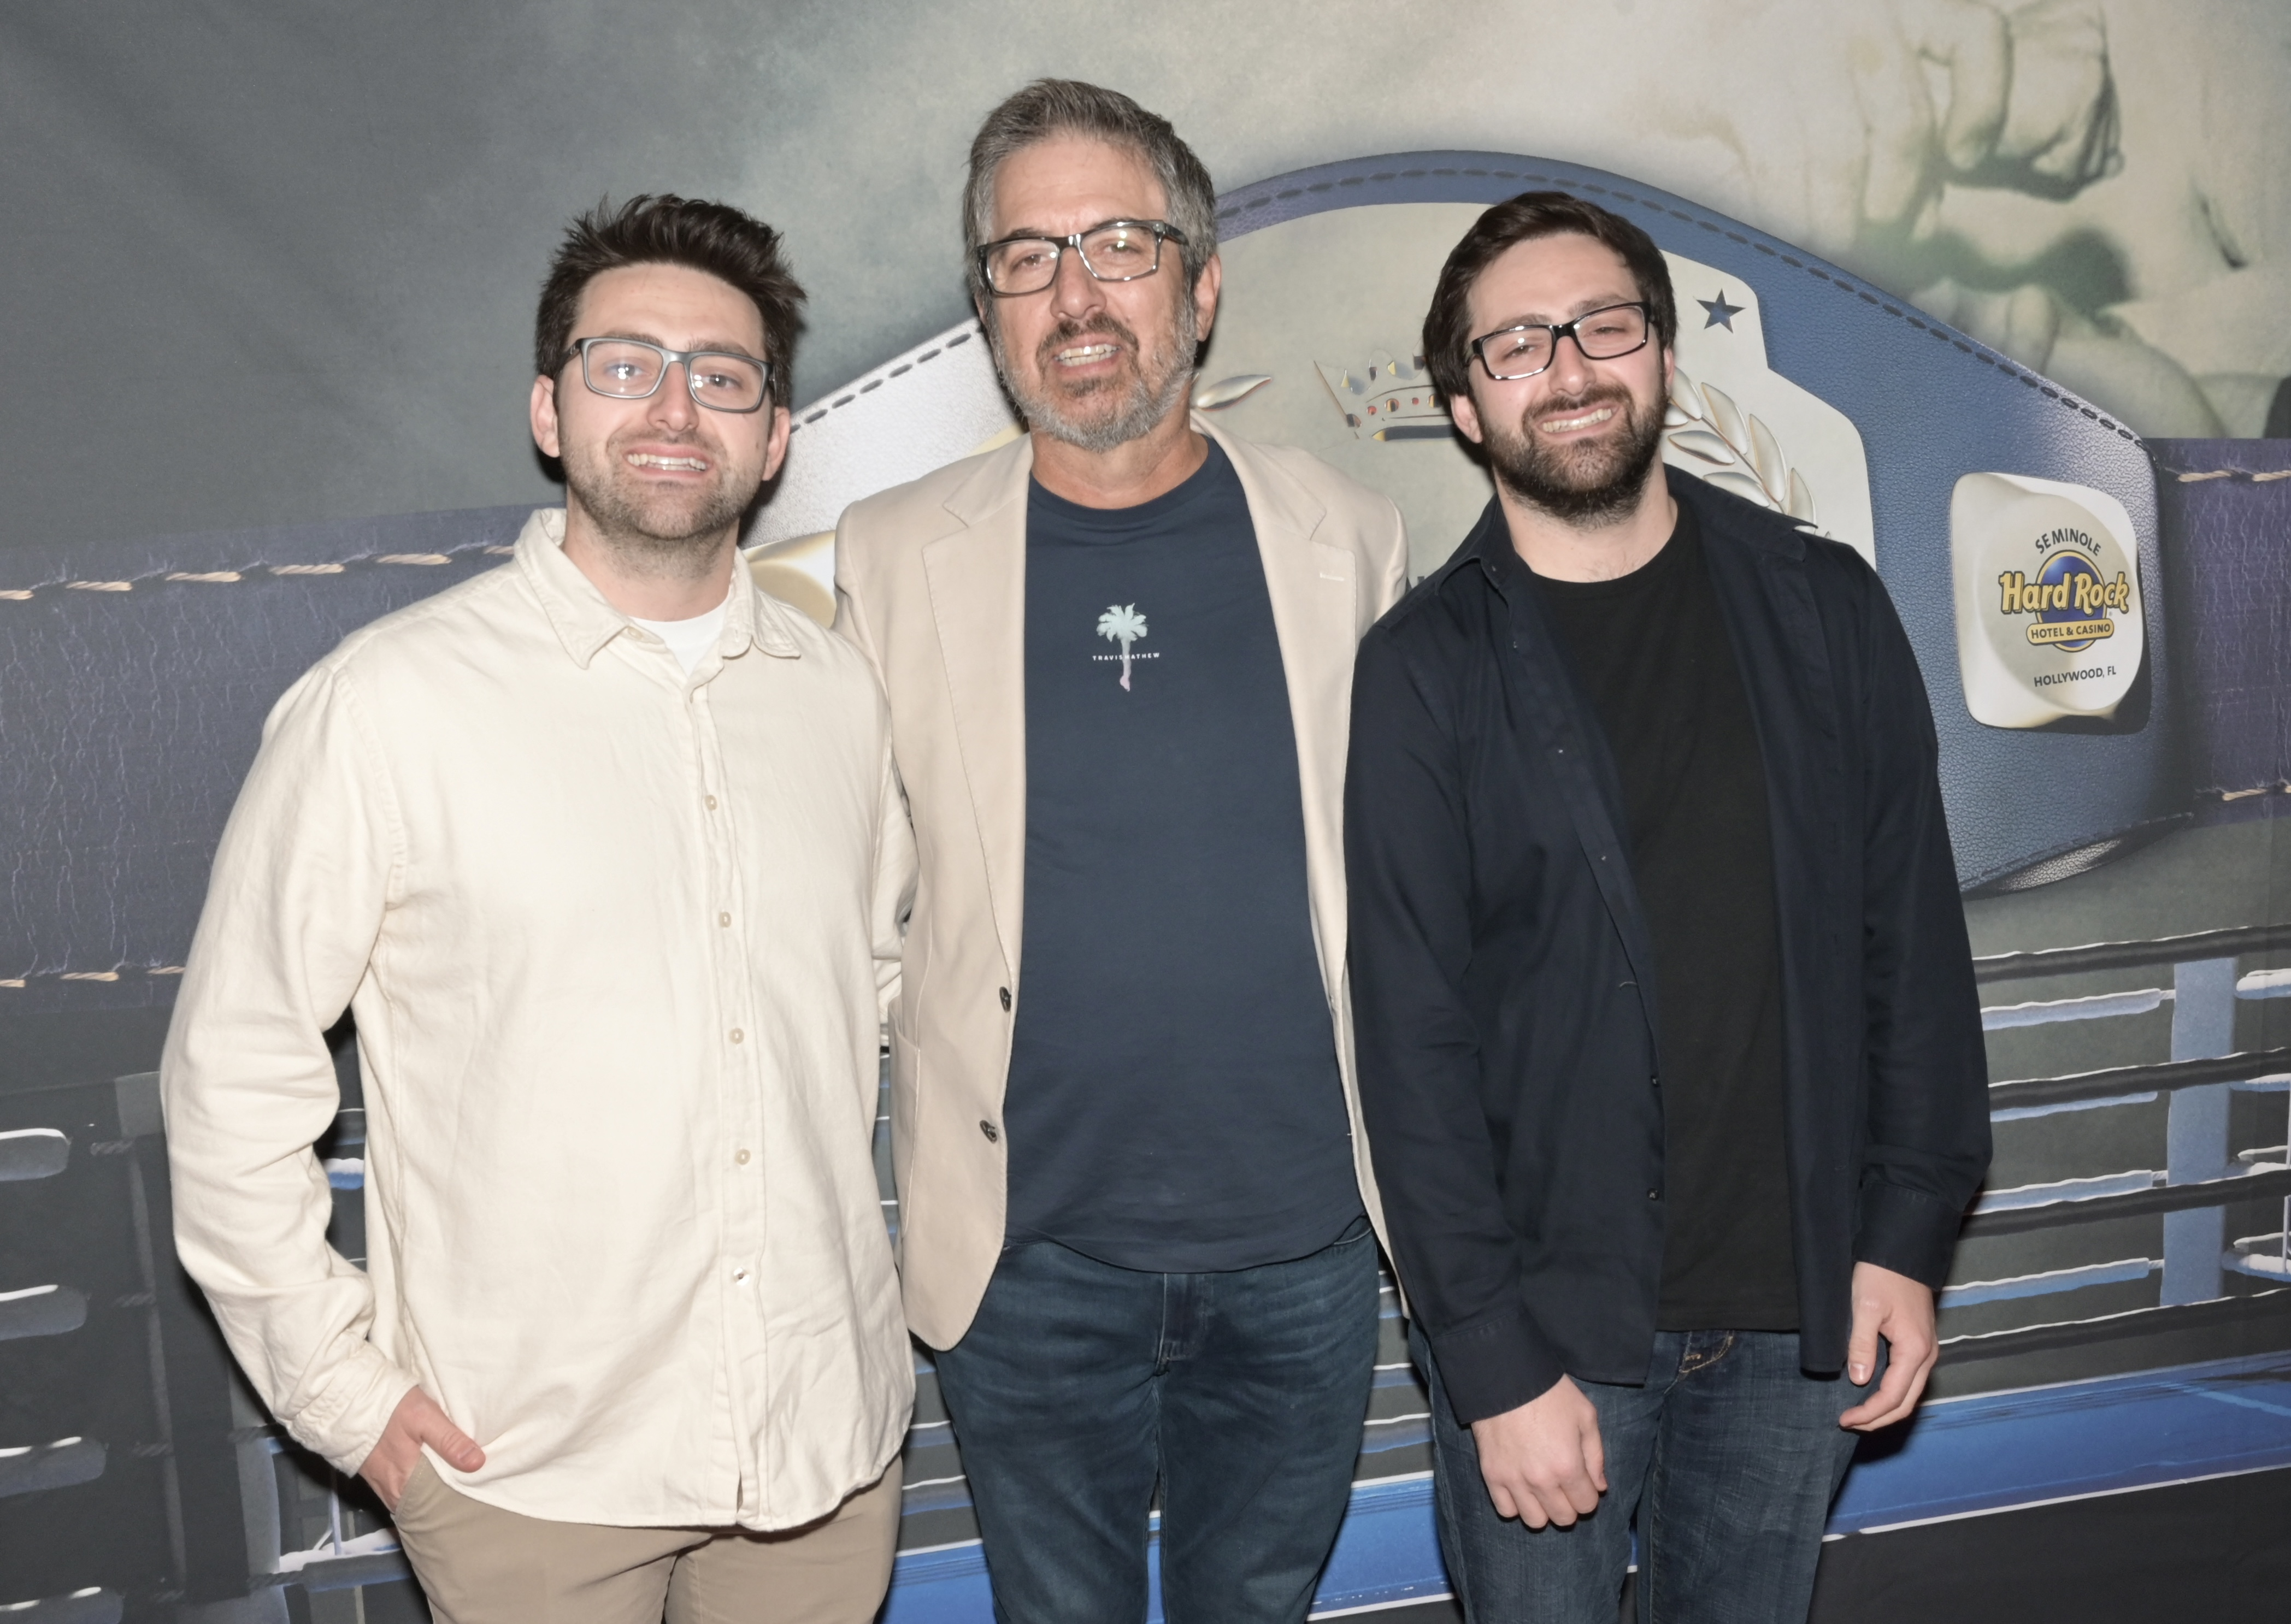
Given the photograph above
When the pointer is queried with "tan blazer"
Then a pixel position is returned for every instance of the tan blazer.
(931, 581)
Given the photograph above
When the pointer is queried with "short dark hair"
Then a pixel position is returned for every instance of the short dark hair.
(665, 229)
(1050, 108)
(1447, 326)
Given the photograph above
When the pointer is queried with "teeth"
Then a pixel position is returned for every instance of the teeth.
(1562, 425)
(1086, 352)
(685, 464)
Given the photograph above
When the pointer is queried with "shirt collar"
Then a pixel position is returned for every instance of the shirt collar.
(584, 622)
(1488, 545)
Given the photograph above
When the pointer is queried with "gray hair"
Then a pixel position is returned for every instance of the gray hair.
(1050, 108)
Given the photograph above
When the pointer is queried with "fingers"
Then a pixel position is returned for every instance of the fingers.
(1862, 1346)
(1975, 45)
(1541, 1499)
(1914, 1352)
(1500, 1495)
(1897, 113)
(1896, 1397)
(455, 1447)
(1594, 1453)
(427, 1422)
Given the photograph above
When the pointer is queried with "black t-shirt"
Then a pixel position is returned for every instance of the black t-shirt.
(1174, 1102)
(1650, 653)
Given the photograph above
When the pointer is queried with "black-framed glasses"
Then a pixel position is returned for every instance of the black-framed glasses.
(1111, 250)
(630, 369)
(1522, 351)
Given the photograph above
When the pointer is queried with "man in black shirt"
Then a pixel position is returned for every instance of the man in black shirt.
(1669, 1045)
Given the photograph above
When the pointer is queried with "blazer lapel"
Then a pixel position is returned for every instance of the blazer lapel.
(977, 581)
(1314, 589)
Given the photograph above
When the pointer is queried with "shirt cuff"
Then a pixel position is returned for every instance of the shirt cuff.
(1907, 1231)
(1496, 1362)
(346, 1418)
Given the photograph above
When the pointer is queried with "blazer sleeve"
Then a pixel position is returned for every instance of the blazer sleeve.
(1408, 851)
(1928, 1142)
(1389, 558)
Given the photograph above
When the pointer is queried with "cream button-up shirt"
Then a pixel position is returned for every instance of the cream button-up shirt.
(618, 940)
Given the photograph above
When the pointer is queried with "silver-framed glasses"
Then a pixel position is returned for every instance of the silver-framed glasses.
(1111, 251)
(631, 369)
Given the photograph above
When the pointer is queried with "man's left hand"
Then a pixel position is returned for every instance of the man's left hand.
(1901, 1310)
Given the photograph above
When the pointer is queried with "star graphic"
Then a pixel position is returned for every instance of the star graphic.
(1721, 313)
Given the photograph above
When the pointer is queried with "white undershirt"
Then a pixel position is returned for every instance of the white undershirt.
(689, 639)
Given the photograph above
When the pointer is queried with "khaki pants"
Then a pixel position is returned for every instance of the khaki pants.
(479, 1564)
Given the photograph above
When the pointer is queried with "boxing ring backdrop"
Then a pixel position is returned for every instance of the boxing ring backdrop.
(2115, 751)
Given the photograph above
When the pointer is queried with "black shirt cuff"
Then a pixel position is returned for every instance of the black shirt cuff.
(1906, 1230)
(1494, 1363)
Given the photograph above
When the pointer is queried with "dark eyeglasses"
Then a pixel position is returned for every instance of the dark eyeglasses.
(1527, 348)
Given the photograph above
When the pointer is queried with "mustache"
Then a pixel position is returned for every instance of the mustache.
(1570, 405)
(1067, 332)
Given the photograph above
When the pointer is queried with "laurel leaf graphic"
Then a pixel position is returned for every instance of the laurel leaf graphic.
(1702, 443)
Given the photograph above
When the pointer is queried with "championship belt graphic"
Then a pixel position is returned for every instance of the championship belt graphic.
(1799, 388)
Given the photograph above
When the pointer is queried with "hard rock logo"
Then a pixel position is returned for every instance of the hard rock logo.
(2069, 602)
(2049, 623)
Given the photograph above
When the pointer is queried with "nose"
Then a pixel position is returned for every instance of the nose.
(672, 404)
(1074, 293)
(1570, 368)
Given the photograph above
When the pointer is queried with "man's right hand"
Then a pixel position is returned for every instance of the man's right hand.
(417, 1420)
(1543, 1462)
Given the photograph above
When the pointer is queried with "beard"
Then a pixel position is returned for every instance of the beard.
(1112, 411)
(661, 532)
(1593, 484)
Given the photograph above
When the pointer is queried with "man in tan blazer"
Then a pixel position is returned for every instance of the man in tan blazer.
(1136, 1207)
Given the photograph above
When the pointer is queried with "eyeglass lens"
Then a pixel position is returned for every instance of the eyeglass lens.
(1119, 252)
(630, 371)
(1522, 351)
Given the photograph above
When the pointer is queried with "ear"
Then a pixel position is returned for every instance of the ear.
(1465, 412)
(544, 417)
(1206, 288)
(775, 448)
(1669, 368)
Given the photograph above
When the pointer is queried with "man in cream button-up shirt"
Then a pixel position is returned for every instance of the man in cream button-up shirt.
(604, 851)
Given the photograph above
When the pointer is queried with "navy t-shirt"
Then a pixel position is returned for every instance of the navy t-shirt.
(1174, 1102)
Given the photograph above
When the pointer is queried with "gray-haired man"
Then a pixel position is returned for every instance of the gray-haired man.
(1118, 653)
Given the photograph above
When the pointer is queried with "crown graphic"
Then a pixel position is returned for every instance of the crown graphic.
(1389, 400)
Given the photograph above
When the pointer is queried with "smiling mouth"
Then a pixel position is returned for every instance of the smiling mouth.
(1565, 425)
(1082, 355)
(682, 465)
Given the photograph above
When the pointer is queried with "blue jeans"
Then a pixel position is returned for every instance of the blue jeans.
(1079, 1383)
(1729, 1457)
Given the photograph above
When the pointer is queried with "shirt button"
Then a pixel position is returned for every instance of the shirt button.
(741, 1157)
(741, 1275)
(988, 1129)
(1654, 1194)
(711, 803)
(737, 1035)
(1004, 993)
(723, 919)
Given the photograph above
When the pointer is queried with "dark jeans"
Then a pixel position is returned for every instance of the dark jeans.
(1079, 1384)
(1729, 1455)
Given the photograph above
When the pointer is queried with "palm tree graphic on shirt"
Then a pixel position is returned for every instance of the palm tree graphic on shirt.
(1121, 624)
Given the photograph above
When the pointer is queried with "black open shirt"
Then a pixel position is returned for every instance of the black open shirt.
(1503, 984)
